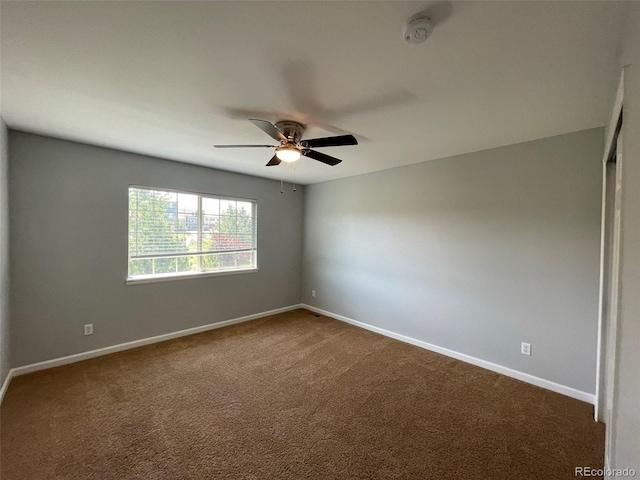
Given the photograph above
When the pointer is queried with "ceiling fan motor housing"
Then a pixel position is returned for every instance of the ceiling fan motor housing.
(290, 129)
(418, 28)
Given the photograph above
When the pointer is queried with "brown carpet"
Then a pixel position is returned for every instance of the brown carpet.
(289, 396)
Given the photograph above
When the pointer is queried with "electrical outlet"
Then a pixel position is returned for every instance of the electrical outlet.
(88, 329)
(313, 293)
(525, 348)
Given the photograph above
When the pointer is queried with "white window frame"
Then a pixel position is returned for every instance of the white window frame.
(169, 277)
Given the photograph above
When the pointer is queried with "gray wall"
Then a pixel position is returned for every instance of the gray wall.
(626, 428)
(4, 253)
(474, 253)
(69, 250)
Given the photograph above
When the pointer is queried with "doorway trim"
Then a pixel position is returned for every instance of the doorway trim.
(609, 147)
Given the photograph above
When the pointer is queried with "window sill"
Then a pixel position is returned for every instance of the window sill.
(184, 276)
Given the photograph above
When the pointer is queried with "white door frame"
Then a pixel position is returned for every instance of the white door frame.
(610, 145)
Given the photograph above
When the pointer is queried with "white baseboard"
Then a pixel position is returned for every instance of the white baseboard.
(525, 377)
(509, 372)
(56, 362)
(5, 385)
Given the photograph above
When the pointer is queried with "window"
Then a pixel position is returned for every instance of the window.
(183, 234)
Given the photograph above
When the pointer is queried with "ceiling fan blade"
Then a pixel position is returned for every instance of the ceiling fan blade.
(339, 141)
(274, 161)
(321, 157)
(245, 146)
(269, 128)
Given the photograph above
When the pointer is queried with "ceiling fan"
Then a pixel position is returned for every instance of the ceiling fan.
(292, 147)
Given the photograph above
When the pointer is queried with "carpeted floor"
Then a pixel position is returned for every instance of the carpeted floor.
(292, 396)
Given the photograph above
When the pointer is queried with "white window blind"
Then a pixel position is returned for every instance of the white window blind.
(179, 233)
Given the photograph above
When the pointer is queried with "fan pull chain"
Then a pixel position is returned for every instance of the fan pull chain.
(281, 183)
(294, 178)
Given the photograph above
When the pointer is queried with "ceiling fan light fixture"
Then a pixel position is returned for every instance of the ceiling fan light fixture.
(288, 153)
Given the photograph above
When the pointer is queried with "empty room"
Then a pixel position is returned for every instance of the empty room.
(319, 239)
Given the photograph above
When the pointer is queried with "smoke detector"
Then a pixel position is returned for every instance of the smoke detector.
(418, 28)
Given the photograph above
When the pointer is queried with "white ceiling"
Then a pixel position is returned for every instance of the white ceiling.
(170, 79)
